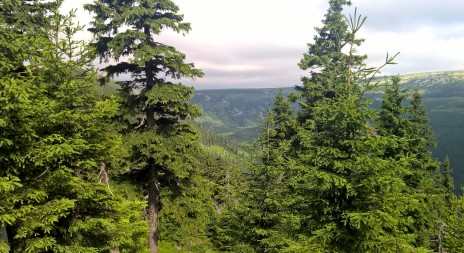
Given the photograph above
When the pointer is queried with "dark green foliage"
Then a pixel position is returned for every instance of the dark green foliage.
(224, 168)
(447, 178)
(355, 195)
(163, 145)
(424, 175)
(450, 233)
(329, 67)
(418, 125)
(261, 221)
(284, 118)
(392, 113)
(187, 213)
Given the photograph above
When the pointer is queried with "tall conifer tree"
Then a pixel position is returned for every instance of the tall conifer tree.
(326, 61)
(56, 133)
(163, 146)
(353, 193)
(263, 220)
(409, 124)
(393, 111)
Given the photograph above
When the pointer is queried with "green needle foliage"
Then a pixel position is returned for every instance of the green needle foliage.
(353, 180)
(263, 221)
(55, 135)
(163, 146)
(448, 179)
(338, 176)
(392, 114)
(411, 125)
(326, 61)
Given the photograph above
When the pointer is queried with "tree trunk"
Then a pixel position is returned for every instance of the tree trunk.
(153, 209)
(3, 234)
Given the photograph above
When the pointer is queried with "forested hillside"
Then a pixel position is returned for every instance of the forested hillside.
(341, 163)
(236, 113)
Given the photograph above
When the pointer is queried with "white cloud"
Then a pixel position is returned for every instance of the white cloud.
(258, 43)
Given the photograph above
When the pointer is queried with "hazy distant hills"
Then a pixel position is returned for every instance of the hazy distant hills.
(236, 112)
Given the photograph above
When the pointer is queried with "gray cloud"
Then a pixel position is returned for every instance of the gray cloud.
(244, 65)
(410, 63)
(403, 15)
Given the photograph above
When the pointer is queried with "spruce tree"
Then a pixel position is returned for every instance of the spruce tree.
(164, 147)
(424, 174)
(262, 221)
(56, 134)
(393, 111)
(350, 191)
(284, 118)
(448, 179)
(409, 125)
(419, 128)
(452, 226)
(326, 61)
(449, 233)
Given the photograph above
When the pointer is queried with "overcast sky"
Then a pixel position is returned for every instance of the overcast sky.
(258, 43)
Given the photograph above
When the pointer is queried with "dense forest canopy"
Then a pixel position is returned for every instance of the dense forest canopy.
(88, 171)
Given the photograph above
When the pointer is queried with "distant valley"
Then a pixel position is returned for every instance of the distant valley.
(235, 113)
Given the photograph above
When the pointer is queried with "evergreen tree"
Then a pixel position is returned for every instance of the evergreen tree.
(448, 179)
(18, 44)
(164, 147)
(355, 199)
(262, 221)
(225, 171)
(56, 133)
(450, 231)
(326, 60)
(350, 191)
(452, 227)
(395, 119)
(392, 113)
(284, 118)
(419, 128)
(424, 174)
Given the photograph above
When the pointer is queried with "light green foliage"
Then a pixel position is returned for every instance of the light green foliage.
(56, 132)
(127, 231)
(451, 227)
(352, 194)
(411, 125)
(355, 199)
(225, 172)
